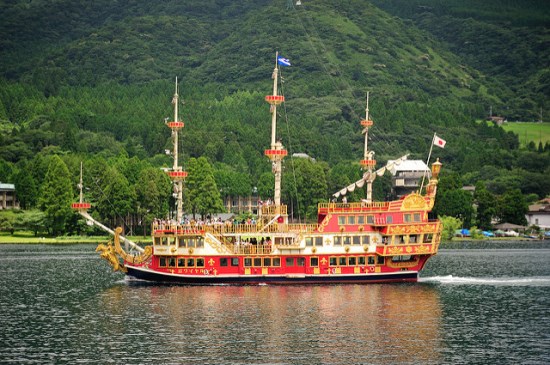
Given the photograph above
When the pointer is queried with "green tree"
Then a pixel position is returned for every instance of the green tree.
(25, 185)
(56, 196)
(202, 194)
(512, 207)
(486, 206)
(153, 189)
(450, 225)
(304, 186)
(118, 198)
(455, 203)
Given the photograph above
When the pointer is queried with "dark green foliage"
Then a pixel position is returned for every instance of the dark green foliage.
(512, 207)
(56, 196)
(201, 193)
(95, 84)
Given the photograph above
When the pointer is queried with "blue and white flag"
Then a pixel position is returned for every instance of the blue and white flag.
(283, 61)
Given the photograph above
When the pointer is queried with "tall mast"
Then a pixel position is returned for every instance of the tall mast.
(177, 174)
(277, 151)
(368, 162)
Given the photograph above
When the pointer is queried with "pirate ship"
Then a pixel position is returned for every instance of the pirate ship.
(351, 242)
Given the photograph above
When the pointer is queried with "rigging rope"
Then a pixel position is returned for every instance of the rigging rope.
(290, 148)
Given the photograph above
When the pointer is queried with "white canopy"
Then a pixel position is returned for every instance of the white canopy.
(370, 176)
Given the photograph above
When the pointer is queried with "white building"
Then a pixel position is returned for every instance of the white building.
(539, 215)
(407, 176)
(8, 200)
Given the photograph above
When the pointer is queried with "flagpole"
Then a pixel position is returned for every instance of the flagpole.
(427, 163)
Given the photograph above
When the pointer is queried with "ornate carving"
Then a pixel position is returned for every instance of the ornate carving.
(108, 253)
(395, 250)
(324, 223)
(414, 202)
(423, 249)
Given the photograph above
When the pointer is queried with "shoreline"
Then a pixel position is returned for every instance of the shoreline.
(23, 238)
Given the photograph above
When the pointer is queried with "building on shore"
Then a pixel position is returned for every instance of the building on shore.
(8, 199)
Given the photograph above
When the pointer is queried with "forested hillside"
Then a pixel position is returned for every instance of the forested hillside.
(93, 81)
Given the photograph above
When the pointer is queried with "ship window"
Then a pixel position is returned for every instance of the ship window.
(417, 217)
(342, 261)
(366, 240)
(332, 261)
(190, 262)
(337, 240)
(172, 262)
(361, 219)
(200, 242)
(248, 261)
(162, 261)
(352, 261)
(413, 238)
(402, 258)
(235, 261)
(309, 241)
(351, 219)
(156, 240)
(389, 219)
(181, 242)
(181, 262)
(380, 260)
(428, 237)
(257, 261)
(200, 262)
(164, 241)
(277, 261)
(191, 242)
(300, 261)
(356, 240)
(406, 218)
(223, 261)
(371, 260)
(314, 261)
(173, 241)
(342, 220)
(370, 219)
(267, 261)
(347, 240)
(361, 260)
(289, 261)
(318, 241)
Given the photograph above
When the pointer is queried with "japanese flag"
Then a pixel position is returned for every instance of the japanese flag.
(439, 142)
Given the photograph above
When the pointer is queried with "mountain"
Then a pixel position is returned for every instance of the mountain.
(95, 79)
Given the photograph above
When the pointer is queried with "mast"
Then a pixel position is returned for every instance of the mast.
(277, 151)
(368, 162)
(177, 174)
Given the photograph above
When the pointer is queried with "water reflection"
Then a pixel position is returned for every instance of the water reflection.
(271, 324)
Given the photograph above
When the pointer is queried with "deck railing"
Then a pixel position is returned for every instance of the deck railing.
(230, 228)
(352, 207)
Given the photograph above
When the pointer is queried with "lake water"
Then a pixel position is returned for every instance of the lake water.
(473, 305)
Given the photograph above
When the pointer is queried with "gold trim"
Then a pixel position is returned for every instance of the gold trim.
(414, 202)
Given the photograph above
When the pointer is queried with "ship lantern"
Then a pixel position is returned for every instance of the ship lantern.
(275, 99)
(436, 167)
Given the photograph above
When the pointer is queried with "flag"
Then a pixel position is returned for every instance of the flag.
(283, 61)
(439, 142)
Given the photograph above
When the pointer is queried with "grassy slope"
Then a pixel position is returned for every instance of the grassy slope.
(528, 131)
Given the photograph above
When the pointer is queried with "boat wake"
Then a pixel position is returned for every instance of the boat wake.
(496, 281)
